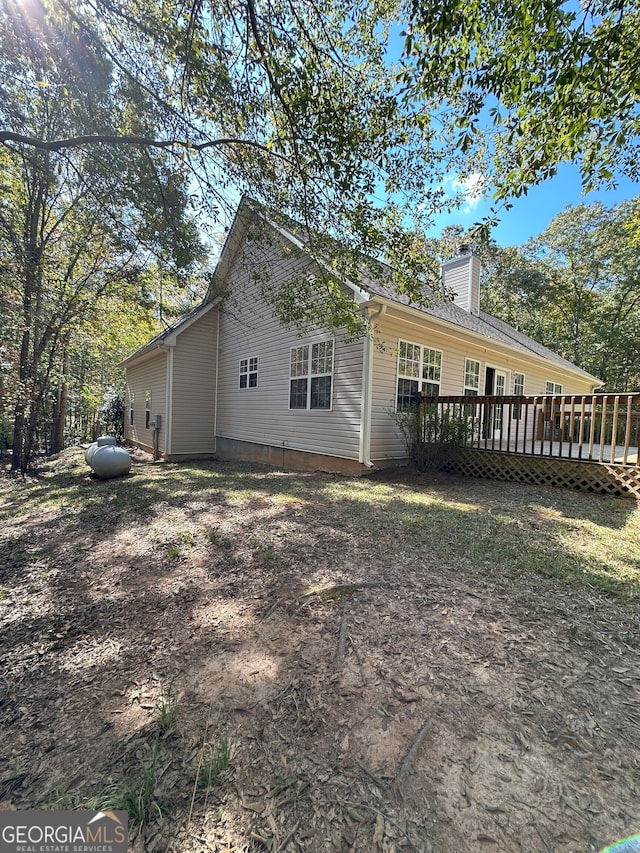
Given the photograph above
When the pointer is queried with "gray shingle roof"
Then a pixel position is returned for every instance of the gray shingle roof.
(483, 324)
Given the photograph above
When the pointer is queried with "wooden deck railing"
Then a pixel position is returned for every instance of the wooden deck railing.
(593, 427)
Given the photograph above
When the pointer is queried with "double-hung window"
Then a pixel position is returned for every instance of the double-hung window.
(471, 377)
(518, 391)
(147, 410)
(311, 376)
(419, 372)
(552, 414)
(131, 407)
(249, 372)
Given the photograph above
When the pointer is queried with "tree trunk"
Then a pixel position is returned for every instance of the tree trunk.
(27, 399)
(60, 409)
(19, 462)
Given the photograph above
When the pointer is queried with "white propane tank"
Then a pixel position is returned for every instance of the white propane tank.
(88, 454)
(101, 441)
(106, 440)
(110, 461)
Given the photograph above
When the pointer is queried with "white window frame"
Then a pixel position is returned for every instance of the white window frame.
(131, 408)
(248, 370)
(471, 390)
(426, 373)
(518, 386)
(554, 388)
(312, 361)
(498, 408)
(147, 410)
(518, 391)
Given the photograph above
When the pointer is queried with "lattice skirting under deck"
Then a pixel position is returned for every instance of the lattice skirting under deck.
(592, 477)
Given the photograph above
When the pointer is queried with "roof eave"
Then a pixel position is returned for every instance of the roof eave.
(145, 353)
(454, 330)
(168, 338)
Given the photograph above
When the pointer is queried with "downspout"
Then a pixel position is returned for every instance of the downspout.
(364, 456)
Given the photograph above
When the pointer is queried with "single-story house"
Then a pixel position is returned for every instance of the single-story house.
(229, 380)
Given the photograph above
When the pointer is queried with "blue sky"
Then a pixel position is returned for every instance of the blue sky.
(531, 214)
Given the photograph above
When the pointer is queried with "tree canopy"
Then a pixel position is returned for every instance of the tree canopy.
(327, 113)
(532, 84)
(576, 288)
(76, 226)
(348, 117)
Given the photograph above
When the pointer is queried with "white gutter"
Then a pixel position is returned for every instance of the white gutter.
(490, 345)
(364, 452)
(145, 353)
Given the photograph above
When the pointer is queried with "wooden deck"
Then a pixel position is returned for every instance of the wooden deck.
(588, 442)
(619, 455)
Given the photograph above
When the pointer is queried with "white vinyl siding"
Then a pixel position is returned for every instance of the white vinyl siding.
(194, 388)
(462, 276)
(147, 378)
(249, 327)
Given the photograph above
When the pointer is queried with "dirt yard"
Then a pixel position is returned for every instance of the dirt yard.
(393, 663)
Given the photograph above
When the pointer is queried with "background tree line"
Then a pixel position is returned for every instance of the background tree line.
(574, 288)
(85, 235)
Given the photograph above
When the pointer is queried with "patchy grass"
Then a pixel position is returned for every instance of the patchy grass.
(215, 759)
(401, 662)
(136, 792)
(569, 536)
(167, 706)
(572, 537)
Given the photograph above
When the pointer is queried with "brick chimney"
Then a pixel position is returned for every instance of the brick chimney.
(462, 276)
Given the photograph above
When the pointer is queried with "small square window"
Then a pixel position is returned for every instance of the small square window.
(249, 372)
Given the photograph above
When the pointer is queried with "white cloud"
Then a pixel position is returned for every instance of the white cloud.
(471, 187)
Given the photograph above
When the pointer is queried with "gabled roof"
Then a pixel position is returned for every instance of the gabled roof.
(166, 338)
(484, 324)
(291, 232)
(371, 289)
